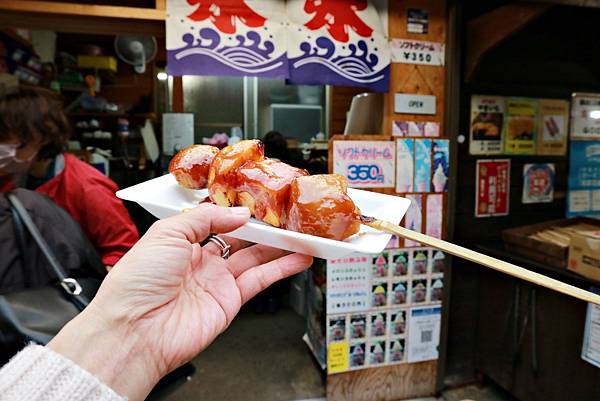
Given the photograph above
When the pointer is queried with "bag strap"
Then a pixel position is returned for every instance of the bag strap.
(71, 287)
(21, 241)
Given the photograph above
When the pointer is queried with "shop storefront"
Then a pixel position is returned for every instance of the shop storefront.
(475, 124)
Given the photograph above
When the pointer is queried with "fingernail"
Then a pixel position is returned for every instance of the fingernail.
(240, 211)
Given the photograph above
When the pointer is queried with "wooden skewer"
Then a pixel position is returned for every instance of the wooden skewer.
(484, 260)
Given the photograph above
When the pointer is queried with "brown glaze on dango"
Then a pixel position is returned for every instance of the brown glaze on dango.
(223, 170)
(319, 205)
(264, 187)
(191, 165)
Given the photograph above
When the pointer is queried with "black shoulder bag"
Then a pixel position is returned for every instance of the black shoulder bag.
(38, 314)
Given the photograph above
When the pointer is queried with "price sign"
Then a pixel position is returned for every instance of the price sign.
(417, 52)
(366, 164)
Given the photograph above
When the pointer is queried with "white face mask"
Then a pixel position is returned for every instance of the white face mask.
(10, 164)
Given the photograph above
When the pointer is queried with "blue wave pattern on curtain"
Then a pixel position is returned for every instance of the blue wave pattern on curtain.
(337, 42)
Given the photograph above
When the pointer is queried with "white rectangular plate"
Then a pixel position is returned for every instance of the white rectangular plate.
(163, 197)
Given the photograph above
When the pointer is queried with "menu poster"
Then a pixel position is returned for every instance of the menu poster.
(424, 333)
(487, 120)
(405, 153)
(434, 215)
(538, 183)
(553, 123)
(584, 179)
(585, 116)
(520, 126)
(441, 163)
(404, 284)
(422, 165)
(492, 188)
(366, 164)
(413, 220)
(347, 283)
(416, 128)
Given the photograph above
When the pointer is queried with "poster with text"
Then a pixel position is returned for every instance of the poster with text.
(590, 350)
(553, 124)
(410, 51)
(441, 165)
(434, 215)
(492, 188)
(422, 165)
(585, 116)
(347, 283)
(366, 164)
(413, 220)
(520, 127)
(487, 121)
(405, 156)
(424, 333)
(583, 198)
(398, 282)
(415, 128)
(538, 183)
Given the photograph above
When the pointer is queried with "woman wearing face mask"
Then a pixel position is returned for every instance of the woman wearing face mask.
(33, 135)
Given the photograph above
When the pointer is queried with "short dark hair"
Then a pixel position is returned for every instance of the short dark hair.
(275, 145)
(35, 114)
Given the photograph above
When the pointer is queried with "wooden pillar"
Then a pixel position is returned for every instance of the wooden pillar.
(177, 104)
(413, 380)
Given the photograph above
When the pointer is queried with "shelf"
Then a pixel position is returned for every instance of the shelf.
(20, 40)
(99, 114)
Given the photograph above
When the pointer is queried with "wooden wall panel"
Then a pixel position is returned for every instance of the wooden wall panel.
(412, 78)
(386, 383)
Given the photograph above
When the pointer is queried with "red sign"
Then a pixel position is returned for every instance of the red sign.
(493, 185)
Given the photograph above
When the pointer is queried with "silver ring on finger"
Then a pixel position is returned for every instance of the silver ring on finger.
(220, 242)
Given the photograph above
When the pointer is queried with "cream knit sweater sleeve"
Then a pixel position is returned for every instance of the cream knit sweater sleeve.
(39, 374)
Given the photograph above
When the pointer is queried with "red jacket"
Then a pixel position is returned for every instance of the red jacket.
(89, 197)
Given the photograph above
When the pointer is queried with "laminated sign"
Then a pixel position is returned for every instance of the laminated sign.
(400, 322)
(521, 126)
(366, 164)
(583, 198)
(409, 51)
(585, 116)
(538, 183)
(553, 123)
(492, 188)
(487, 121)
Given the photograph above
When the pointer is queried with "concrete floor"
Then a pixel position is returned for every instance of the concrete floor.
(263, 358)
(260, 357)
(471, 393)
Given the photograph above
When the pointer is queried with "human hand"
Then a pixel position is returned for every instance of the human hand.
(168, 298)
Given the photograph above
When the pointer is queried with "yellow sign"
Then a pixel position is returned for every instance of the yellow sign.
(520, 126)
(337, 357)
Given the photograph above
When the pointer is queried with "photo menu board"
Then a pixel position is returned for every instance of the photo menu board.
(384, 309)
(524, 126)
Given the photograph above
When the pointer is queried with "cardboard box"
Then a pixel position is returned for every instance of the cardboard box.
(584, 254)
(518, 240)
